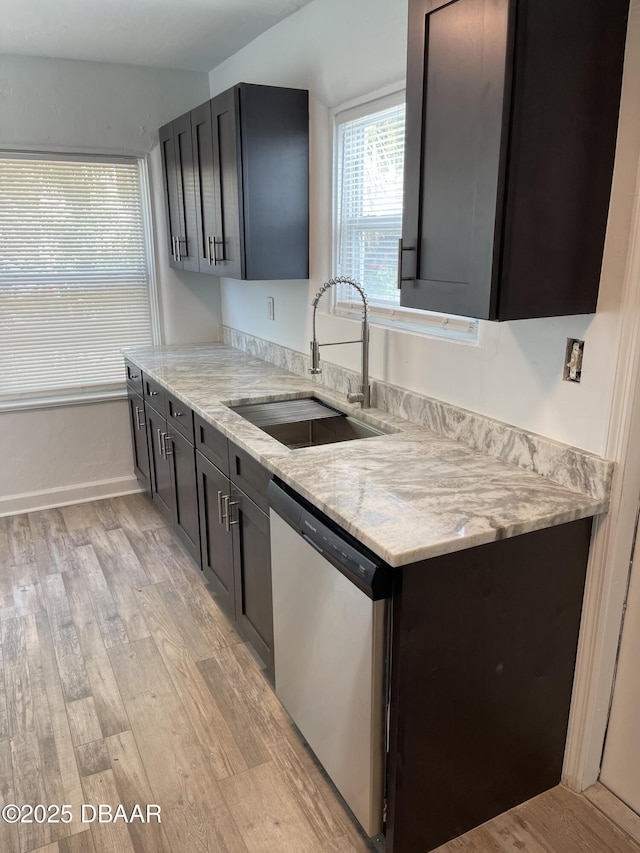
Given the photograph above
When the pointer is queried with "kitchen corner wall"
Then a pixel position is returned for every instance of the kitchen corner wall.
(69, 453)
(342, 50)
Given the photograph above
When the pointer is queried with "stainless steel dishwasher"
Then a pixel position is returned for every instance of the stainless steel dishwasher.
(330, 647)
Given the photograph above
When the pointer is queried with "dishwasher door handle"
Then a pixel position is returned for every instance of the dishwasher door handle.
(312, 543)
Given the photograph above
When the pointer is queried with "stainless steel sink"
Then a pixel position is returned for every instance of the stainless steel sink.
(305, 422)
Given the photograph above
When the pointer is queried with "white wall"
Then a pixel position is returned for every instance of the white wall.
(65, 453)
(339, 50)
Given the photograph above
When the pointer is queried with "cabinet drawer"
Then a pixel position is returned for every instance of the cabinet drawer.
(179, 416)
(249, 475)
(154, 395)
(212, 444)
(134, 376)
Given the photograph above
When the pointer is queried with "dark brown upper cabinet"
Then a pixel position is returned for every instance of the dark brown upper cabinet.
(512, 113)
(249, 167)
(179, 191)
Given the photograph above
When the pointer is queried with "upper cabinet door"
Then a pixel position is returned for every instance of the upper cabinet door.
(187, 240)
(228, 252)
(206, 219)
(512, 111)
(454, 134)
(179, 193)
(173, 207)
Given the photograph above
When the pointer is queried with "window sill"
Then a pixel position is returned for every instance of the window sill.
(63, 401)
(455, 329)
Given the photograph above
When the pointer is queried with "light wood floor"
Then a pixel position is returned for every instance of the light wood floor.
(122, 682)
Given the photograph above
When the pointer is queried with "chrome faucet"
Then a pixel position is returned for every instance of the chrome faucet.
(364, 395)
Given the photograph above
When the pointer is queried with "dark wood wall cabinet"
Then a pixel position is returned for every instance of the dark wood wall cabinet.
(236, 184)
(512, 112)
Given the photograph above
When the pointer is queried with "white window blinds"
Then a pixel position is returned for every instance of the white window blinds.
(74, 277)
(368, 199)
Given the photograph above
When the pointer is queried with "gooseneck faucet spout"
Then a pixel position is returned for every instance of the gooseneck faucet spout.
(364, 395)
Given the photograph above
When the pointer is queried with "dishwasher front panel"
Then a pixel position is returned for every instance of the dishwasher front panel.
(329, 649)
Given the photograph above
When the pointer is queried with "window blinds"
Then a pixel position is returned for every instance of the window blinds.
(368, 193)
(74, 278)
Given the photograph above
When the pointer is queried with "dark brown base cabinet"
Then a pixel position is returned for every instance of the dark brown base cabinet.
(235, 539)
(512, 115)
(139, 446)
(215, 499)
(172, 474)
(484, 646)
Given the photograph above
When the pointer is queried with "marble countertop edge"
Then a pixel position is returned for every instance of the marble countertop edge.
(465, 483)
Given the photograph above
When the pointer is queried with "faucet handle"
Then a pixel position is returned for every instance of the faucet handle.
(315, 357)
(355, 396)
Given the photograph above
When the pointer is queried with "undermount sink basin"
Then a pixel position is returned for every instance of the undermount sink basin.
(305, 422)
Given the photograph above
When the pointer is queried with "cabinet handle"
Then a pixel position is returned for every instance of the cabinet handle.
(211, 252)
(140, 423)
(220, 515)
(134, 376)
(227, 516)
(168, 449)
(160, 443)
(153, 393)
(179, 255)
(217, 242)
(174, 254)
(402, 248)
(178, 414)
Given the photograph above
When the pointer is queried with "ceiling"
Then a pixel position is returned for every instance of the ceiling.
(195, 35)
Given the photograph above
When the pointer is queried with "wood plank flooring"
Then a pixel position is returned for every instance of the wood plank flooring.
(121, 682)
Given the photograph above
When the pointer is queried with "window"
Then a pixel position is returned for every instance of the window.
(74, 273)
(368, 187)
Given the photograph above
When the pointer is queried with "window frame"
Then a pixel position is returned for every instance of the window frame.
(96, 392)
(450, 327)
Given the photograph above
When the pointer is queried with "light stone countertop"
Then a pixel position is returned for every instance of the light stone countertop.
(408, 495)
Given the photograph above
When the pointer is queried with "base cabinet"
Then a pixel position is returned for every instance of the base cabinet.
(173, 479)
(139, 444)
(252, 571)
(160, 465)
(484, 647)
(215, 539)
(235, 546)
(184, 491)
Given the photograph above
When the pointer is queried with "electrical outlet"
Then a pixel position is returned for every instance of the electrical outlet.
(271, 314)
(573, 360)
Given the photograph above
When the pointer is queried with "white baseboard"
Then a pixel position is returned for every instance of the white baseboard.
(75, 494)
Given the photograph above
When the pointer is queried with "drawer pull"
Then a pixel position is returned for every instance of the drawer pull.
(153, 393)
(178, 414)
(134, 376)
(139, 422)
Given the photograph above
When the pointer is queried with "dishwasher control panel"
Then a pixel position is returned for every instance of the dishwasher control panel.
(367, 571)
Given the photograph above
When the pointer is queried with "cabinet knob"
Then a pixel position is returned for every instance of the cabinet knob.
(134, 376)
(178, 414)
(153, 393)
